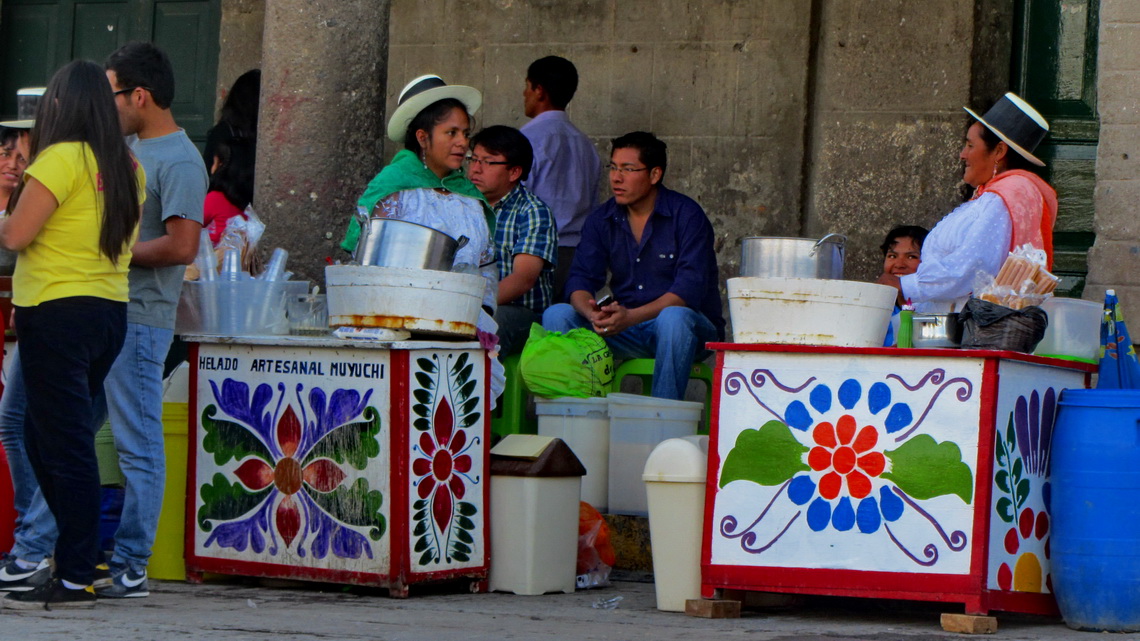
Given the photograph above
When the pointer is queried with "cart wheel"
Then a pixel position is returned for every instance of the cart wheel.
(478, 586)
(398, 591)
(194, 577)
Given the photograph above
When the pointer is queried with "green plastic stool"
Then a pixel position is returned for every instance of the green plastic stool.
(643, 368)
(510, 416)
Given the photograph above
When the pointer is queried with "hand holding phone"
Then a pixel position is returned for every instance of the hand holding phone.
(604, 300)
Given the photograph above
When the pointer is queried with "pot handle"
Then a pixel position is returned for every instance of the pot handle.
(461, 242)
(365, 228)
(842, 243)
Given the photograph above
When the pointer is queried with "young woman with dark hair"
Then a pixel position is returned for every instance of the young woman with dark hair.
(73, 221)
(238, 118)
(231, 186)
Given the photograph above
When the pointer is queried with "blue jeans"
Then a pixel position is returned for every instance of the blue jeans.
(35, 526)
(673, 340)
(134, 403)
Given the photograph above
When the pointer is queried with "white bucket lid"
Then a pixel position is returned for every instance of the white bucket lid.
(572, 406)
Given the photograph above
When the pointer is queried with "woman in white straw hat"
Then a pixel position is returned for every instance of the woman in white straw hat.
(425, 182)
(1011, 207)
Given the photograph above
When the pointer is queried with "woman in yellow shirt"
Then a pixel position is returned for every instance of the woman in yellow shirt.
(72, 220)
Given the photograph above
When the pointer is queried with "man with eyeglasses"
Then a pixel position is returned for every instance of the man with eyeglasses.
(525, 235)
(142, 80)
(657, 245)
(566, 167)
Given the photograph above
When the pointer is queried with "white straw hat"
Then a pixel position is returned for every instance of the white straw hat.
(422, 92)
(26, 101)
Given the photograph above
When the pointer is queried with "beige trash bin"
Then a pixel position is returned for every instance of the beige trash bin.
(675, 486)
(536, 484)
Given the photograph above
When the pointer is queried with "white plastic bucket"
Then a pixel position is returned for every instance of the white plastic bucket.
(637, 425)
(584, 425)
(418, 300)
(808, 311)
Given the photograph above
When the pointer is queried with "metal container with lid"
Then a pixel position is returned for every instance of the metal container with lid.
(389, 242)
(771, 257)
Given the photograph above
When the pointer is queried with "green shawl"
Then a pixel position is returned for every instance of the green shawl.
(406, 171)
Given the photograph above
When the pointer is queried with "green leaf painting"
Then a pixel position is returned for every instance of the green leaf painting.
(356, 505)
(354, 443)
(227, 440)
(767, 456)
(225, 501)
(925, 468)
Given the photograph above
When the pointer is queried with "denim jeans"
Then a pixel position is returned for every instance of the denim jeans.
(35, 526)
(67, 347)
(514, 327)
(134, 403)
(673, 340)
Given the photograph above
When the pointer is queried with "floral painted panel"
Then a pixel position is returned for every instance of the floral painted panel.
(1020, 523)
(846, 462)
(446, 459)
(292, 458)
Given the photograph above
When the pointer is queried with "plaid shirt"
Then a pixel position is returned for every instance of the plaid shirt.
(524, 225)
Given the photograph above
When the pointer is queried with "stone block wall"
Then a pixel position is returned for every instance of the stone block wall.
(722, 82)
(887, 122)
(1114, 261)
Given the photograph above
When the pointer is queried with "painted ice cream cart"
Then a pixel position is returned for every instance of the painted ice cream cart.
(894, 473)
(321, 459)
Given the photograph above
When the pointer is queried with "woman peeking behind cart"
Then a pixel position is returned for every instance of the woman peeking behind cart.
(1011, 207)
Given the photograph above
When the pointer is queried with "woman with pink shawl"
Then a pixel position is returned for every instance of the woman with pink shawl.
(1011, 207)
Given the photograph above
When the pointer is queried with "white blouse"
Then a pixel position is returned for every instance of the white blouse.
(973, 238)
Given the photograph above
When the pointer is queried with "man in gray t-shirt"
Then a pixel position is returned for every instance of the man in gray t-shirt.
(143, 82)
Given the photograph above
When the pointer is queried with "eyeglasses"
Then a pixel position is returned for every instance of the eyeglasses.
(474, 160)
(625, 171)
(129, 90)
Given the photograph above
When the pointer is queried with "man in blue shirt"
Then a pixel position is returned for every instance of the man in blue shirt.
(566, 167)
(525, 236)
(658, 246)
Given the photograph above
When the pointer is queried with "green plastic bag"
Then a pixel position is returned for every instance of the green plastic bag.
(577, 363)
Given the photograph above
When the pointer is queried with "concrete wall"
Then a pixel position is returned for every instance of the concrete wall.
(1114, 258)
(239, 42)
(886, 123)
(722, 82)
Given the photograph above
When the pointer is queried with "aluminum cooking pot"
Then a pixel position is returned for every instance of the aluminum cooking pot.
(768, 257)
(388, 242)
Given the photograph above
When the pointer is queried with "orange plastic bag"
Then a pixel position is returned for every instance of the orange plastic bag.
(595, 552)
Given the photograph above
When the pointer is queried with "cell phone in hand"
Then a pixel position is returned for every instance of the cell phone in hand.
(604, 300)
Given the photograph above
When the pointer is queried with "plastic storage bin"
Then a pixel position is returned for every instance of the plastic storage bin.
(236, 308)
(536, 484)
(1074, 329)
(675, 486)
(167, 555)
(637, 425)
(584, 425)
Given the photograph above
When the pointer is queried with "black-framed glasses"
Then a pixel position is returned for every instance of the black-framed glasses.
(129, 90)
(475, 160)
(625, 171)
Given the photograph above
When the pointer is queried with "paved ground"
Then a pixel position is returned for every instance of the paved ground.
(244, 610)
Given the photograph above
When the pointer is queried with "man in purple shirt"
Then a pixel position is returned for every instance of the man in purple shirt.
(658, 246)
(566, 167)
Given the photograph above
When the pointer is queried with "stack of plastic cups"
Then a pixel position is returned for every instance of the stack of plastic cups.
(271, 301)
(231, 305)
(208, 273)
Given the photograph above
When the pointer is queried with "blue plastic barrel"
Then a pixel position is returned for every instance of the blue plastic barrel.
(1095, 478)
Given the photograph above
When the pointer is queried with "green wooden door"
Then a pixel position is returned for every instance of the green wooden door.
(39, 36)
(1054, 68)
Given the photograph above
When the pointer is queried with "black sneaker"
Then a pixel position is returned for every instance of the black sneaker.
(125, 584)
(104, 573)
(13, 578)
(51, 596)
